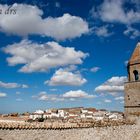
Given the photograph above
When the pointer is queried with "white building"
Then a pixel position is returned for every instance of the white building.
(115, 116)
(89, 116)
(83, 116)
(61, 113)
(36, 115)
(54, 115)
(98, 115)
(84, 111)
(47, 115)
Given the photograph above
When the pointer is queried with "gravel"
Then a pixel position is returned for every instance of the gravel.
(125, 132)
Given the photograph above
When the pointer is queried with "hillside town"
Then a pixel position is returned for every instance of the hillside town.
(64, 114)
(76, 113)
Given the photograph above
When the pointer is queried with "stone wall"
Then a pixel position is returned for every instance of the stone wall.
(132, 98)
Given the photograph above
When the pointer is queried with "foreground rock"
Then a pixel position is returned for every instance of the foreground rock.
(124, 132)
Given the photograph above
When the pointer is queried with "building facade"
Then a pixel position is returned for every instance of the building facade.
(132, 87)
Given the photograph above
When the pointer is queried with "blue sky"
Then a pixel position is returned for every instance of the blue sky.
(58, 53)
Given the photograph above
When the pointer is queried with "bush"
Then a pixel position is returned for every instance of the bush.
(41, 120)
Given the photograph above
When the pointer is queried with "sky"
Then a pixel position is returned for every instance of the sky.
(65, 53)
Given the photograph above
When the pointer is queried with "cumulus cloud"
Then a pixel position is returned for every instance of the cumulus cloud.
(95, 69)
(42, 57)
(12, 85)
(64, 77)
(77, 94)
(2, 94)
(115, 11)
(28, 20)
(112, 85)
(43, 96)
(68, 96)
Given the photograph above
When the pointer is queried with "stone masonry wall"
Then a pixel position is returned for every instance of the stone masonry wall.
(132, 98)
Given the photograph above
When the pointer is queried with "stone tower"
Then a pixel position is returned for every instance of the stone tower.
(132, 87)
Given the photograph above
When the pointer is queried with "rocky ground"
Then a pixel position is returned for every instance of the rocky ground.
(125, 132)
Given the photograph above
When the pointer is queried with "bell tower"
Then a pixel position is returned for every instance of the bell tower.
(132, 87)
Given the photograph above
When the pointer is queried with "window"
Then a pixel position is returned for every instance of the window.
(136, 75)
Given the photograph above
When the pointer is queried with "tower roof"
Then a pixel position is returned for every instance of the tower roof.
(135, 58)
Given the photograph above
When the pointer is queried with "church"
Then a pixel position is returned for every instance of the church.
(132, 87)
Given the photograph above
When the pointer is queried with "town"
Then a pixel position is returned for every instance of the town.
(76, 113)
(65, 114)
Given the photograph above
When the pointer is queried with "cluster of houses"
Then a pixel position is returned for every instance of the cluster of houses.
(76, 113)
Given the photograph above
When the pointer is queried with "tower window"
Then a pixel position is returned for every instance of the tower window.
(136, 75)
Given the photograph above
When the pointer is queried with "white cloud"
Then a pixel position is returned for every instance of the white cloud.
(112, 85)
(43, 96)
(77, 94)
(11, 85)
(53, 89)
(18, 92)
(122, 102)
(2, 94)
(64, 77)
(126, 62)
(28, 20)
(57, 5)
(68, 96)
(42, 57)
(102, 31)
(115, 11)
(25, 86)
(19, 99)
(107, 101)
(71, 68)
(119, 98)
(95, 69)
(132, 32)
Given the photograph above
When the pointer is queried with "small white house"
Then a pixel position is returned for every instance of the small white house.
(98, 116)
(72, 115)
(61, 113)
(54, 115)
(89, 116)
(84, 111)
(47, 115)
(36, 115)
(115, 116)
(39, 112)
(83, 116)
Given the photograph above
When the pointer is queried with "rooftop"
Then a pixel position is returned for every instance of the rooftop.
(135, 58)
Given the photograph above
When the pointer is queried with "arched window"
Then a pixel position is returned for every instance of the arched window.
(136, 75)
